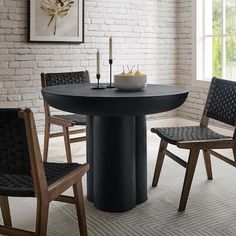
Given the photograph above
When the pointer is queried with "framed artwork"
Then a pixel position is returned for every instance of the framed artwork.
(56, 21)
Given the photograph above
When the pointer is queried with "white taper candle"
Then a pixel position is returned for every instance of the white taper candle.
(98, 62)
(110, 48)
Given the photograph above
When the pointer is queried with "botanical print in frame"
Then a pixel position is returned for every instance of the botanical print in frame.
(57, 21)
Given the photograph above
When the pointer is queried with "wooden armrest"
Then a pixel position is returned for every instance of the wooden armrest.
(64, 183)
(59, 121)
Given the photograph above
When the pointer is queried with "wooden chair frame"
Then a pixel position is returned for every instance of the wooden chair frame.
(66, 124)
(190, 165)
(44, 193)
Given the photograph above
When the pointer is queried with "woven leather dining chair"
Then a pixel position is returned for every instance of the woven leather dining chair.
(221, 106)
(23, 174)
(65, 121)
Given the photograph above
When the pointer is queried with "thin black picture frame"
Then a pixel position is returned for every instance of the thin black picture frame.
(47, 39)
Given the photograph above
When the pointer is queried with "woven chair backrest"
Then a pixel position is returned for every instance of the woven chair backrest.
(221, 102)
(14, 153)
(66, 78)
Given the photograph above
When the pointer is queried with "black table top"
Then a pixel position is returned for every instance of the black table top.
(82, 99)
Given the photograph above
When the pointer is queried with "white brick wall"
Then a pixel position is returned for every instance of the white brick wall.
(144, 32)
(193, 107)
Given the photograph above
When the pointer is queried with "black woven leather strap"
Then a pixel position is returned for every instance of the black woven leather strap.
(187, 133)
(14, 154)
(66, 78)
(221, 104)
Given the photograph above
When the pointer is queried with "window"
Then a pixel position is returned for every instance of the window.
(215, 39)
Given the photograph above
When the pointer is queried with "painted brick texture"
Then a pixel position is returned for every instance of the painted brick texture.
(194, 105)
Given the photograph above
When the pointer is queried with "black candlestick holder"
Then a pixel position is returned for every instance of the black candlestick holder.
(98, 86)
(110, 84)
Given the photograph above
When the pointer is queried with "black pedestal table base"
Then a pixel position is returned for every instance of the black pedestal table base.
(116, 152)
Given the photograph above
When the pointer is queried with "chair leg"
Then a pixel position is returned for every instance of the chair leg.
(5, 208)
(67, 144)
(80, 208)
(159, 163)
(46, 141)
(42, 218)
(190, 169)
(234, 153)
(207, 160)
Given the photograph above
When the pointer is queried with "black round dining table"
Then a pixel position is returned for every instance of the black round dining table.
(116, 137)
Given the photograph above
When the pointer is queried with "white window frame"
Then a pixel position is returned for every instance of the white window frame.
(196, 43)
(198, 37)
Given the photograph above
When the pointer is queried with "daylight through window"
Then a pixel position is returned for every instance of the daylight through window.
(216, 39)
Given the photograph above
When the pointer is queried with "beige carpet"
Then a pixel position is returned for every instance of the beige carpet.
(211, 210)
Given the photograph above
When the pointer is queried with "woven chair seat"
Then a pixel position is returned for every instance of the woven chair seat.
(187, 133)
(74, 118)
(22, 185)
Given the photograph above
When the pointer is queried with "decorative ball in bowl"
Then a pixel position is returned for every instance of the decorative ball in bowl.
(130, 81)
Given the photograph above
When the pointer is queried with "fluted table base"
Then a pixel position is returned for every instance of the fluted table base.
(116, 152)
